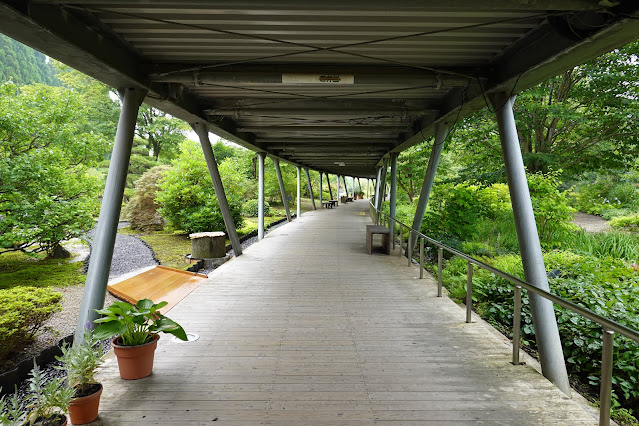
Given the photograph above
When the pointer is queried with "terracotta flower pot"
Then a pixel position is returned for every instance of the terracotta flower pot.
(84, 410)
(135, 362)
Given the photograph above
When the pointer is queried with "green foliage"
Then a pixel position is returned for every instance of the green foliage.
(162, 133)
(552, 210)
(605, 285)
(23, 311)
(47, 397)
(142, 210)
(626, 223)
(47, 194)
(135, 324)
(617, 245)
(186, 194)
(12, 411)
(22, 65)
(251, 207)
(606, 195)
(81, 362)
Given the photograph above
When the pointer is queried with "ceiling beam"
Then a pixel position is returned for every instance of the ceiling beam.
(373, 4)
(317, 75)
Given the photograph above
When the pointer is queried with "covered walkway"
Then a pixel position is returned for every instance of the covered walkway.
(307, 328)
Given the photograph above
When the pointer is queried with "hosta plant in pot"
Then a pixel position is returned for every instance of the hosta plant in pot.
(81, 362)
(136, 327)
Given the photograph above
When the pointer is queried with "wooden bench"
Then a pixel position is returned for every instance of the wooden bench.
(333, 202)
(371, 230)
(327, 204)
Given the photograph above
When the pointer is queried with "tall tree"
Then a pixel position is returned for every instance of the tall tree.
(47, 194)
(162, 132)
(584, 119)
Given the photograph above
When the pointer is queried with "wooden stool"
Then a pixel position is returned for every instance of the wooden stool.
(378, 229)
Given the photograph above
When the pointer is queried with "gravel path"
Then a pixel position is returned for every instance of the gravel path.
(590, 222)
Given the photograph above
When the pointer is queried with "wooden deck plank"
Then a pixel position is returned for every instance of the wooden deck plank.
(306, 328)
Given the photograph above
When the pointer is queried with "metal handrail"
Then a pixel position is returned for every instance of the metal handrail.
(609, 326)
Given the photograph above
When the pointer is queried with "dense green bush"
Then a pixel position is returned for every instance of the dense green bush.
(250, 208)
(468, 212)
(186, 194)
(23, 311)
(626, 223)
(142, 210)
(606, 286)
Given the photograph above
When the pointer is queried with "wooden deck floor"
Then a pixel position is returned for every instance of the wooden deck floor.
(306, 328)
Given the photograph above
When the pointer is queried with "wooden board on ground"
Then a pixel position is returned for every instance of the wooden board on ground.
(158, 284)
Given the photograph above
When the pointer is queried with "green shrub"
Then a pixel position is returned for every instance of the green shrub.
(626, 223)
(23, 311)
(186, 194)
(250, 208)
(142, 210)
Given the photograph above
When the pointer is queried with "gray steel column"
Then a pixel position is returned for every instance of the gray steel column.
(282, 189)
(104, 241)
(337, 190)
(393, 196)
(260, 196)
(299, 192)
(382, 185)
(320, 190)
(330, 190)
(546, 332)
(377, 189)
(359, 183)
(203, 133)
(441, 132)
(310, 187)
(345, 187)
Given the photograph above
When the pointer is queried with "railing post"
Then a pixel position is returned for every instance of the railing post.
(401, 237)
(605, 394)
(469, 292)
(516, 324)
(440, 262)
(409, 246)
(421, 257)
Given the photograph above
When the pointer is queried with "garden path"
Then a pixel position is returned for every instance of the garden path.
(307, 328)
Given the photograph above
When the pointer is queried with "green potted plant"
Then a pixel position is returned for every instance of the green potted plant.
(136, 327)
(81, 362)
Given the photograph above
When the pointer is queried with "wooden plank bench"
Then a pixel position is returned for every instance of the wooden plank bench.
(327, 204)
(371, 230)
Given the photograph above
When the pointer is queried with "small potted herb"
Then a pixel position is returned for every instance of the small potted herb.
(136, 327)
(47, 400)
(81, 362)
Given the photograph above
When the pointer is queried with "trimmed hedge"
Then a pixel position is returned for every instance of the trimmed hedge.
(23, 312)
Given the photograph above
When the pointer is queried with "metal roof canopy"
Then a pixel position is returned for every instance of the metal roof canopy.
(320, 84)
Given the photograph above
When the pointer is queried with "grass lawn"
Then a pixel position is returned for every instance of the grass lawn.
(18, 269)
